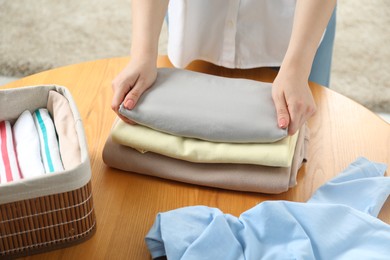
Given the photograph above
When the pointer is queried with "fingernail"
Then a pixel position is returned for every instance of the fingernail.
(129, 104)
(282, 123)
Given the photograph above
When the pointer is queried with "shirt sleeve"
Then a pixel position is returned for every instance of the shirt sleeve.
(358, 186)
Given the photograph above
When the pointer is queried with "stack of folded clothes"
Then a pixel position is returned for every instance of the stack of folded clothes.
(32, 145)
(208, 130)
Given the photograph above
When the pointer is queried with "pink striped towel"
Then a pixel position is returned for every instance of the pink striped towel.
(9, 169)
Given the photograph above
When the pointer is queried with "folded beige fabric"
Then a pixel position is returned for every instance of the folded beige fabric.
(241, 177)
(64, 122)
(278, 154)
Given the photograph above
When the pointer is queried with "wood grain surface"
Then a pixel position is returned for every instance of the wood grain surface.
(126, 203)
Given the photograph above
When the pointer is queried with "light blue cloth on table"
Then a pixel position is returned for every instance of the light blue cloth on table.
(338, 222)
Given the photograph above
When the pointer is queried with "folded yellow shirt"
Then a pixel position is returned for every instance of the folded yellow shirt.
(144, 139)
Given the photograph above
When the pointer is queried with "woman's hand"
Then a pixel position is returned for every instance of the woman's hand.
(131, 83)
(291, 93)
(293, 101)
(141, 71)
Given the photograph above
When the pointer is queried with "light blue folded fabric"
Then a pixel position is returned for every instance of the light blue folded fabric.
(218, 109)
(338, 222)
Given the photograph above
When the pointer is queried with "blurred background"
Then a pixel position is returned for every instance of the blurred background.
(43, 34)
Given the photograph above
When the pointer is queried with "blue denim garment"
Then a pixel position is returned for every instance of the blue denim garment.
(338, 222)
(322, 63)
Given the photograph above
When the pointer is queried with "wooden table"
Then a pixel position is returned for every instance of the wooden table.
(126, 204)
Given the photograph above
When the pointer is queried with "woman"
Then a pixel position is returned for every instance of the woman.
(237, 34)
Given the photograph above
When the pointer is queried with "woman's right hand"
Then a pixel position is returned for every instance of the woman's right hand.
(141, 72)
(131, 83)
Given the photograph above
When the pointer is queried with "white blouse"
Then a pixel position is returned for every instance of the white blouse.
(230, 33)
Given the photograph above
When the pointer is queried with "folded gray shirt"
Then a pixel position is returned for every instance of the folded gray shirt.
(212, 108)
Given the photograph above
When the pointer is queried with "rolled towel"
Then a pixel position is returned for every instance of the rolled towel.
(27, 146)
(48, 139)
(9, 169)
(64, 122)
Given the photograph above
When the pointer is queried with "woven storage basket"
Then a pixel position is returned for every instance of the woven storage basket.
(50, 211)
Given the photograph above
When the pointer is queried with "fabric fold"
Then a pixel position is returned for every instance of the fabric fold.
(241, 177)
(361, 175)
(27, 146)
(213, 108)
(279, 154)
(9, 168)
(280, 229)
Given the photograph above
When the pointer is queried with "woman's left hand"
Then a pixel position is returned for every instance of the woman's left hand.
(293, 100)
(291, 93)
